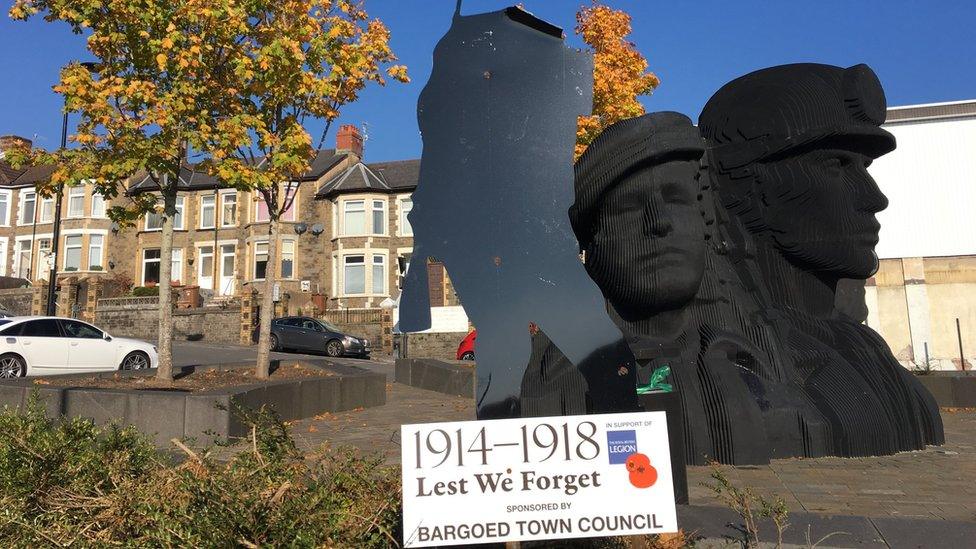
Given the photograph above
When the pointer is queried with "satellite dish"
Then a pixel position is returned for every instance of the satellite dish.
(318, 229)
(300, 228)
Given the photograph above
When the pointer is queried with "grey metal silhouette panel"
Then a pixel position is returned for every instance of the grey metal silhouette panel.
(498, 121)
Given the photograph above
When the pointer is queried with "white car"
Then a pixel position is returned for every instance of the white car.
(43, 345)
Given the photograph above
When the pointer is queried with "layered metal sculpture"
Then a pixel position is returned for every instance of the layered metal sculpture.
(734, 253)
(498, 120)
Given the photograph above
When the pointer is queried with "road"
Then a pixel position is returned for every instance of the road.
(190, 353)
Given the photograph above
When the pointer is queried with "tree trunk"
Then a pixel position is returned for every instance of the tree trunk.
(165, 371)
(262, 370)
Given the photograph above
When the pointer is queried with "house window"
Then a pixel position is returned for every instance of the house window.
(261, 212)
(47, 210)
(206, 261)
(150, 265)
(98, 204)
(290, 190)
(176, 272)
(23, 259)
(5, 208)
(355, 218)
(406, 205)
(228, 213)
(260, 260)
(96, 243)
(154, 220)
(72, 253)
(76, 202)
(28, 208)
(403, 263)
(354, 275)
(287, 259)
(208, 209)
(379, 217)
(379, 274)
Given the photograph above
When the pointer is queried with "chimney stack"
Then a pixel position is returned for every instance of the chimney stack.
(349, 140)
(8, 142)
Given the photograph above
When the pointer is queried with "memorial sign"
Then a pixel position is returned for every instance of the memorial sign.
(536, 479)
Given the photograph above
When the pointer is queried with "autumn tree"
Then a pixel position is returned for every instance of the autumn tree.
(236, 81)
(157, 66)
(295, 61)
(620, 72)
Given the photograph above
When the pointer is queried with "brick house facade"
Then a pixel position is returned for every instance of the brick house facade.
(353, 246)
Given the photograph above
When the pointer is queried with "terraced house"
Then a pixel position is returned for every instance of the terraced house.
(345, 236)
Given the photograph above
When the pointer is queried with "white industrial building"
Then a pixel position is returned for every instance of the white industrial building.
(927, 278)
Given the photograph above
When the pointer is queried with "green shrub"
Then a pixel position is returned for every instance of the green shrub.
(145, 291)
(74, 483)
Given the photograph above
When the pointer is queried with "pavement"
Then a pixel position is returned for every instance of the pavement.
(925, 498)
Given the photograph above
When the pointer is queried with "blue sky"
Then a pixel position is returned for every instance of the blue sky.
(922, 51)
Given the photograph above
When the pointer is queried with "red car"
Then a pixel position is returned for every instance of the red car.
(465, 350)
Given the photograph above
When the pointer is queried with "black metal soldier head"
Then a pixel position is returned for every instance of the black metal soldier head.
(790, 147)
(638, 213)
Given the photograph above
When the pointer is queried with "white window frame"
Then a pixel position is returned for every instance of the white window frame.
(91, 251)
(67, 246)
(212, 207)
(76, 194)
(345, 278)
(384, 218)
(254, 258)
(176, 266)
(46, 204)
(383, 275)
(180, 211)
(294, 262)
(225, 198)
(34, 211)
(145, 261)
(6, 200)
(100, 212)
(402, 216)
(345, 217)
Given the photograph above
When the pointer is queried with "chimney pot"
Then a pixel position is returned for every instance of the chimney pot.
(349, 140)
(8, 142)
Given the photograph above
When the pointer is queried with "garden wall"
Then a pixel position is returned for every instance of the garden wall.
(138, 317)
(16, 300)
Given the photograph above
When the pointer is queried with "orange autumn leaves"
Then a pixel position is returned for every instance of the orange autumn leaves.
(620, 72)
(234, 80)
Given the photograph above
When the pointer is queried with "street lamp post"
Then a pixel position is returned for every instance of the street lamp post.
(52, 280)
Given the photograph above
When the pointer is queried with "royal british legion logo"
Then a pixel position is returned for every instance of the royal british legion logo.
(621, 444)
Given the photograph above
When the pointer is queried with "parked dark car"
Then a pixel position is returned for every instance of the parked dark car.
(302, 333)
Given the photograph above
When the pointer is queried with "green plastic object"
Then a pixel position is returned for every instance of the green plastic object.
(656, 384)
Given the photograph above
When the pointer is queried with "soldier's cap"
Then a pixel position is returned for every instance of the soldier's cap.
(779, 109)
(621, 149)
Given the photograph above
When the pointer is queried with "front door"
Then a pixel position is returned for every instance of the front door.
(205, 271)
(227, 257)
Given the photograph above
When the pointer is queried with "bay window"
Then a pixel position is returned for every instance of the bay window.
(379, 274)
(96, 244)
(354, 275)
(354, 218)
(76, 201)
(406, 205)
(98, 205)
(72, 252)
